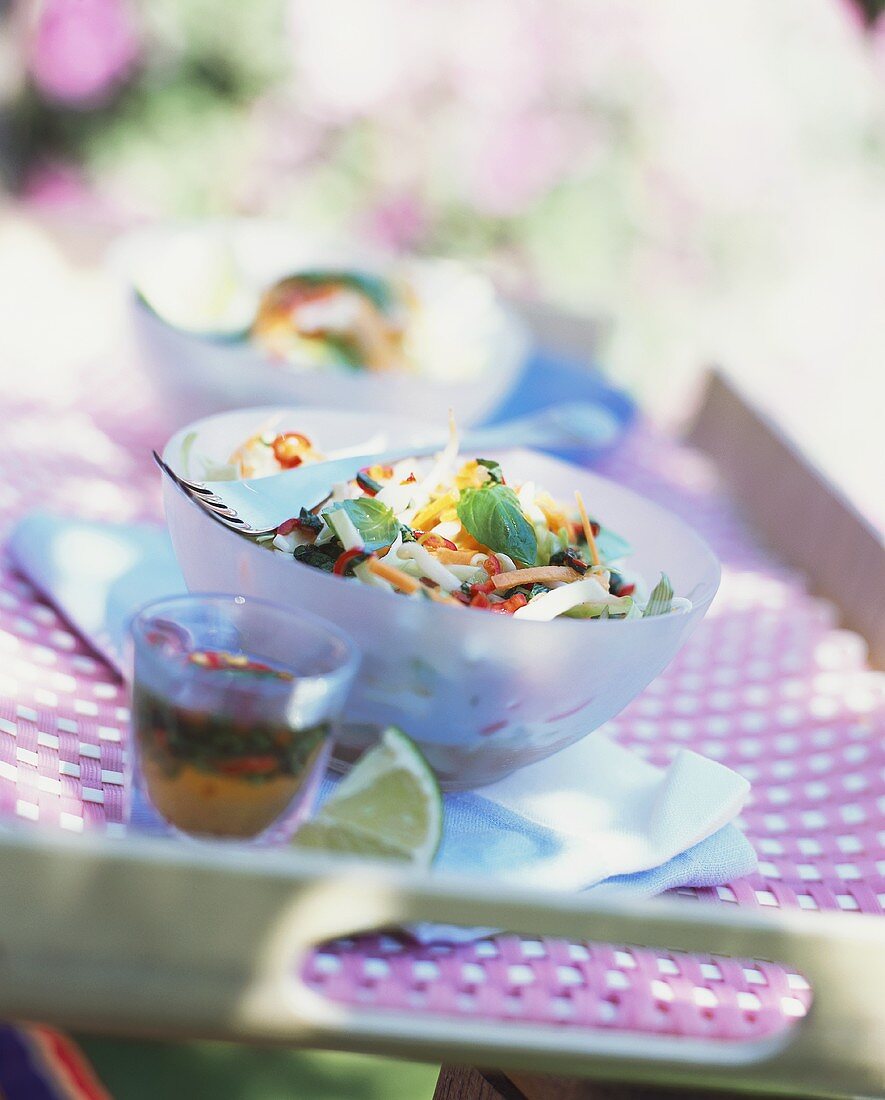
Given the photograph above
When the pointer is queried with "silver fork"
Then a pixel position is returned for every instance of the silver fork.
(268, 505)
(257, 506)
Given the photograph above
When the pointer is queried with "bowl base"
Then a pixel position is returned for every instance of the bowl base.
(352, 740)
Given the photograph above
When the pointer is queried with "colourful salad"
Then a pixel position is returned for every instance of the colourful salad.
(458, 532)
(336, 318)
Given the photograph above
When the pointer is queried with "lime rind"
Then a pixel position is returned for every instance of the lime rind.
(389, 806)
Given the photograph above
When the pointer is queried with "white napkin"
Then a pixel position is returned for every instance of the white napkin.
(594, 813)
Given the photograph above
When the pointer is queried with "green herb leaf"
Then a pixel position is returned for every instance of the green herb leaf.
(612, 546)
(374, 520)
(494, 469)
(660, 602)
(320, 557)
(493, 516)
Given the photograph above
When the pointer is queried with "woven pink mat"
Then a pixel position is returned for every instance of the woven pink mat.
(768, 685)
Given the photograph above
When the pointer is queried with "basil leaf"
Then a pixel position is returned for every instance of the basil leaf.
(492, 515)
(660, 602)
(611, 546)
(320, 557)
(374, 520)
(494, 469)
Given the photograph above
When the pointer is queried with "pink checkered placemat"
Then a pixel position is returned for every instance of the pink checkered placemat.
(767, 685)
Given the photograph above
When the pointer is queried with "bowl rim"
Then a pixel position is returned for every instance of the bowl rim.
(265, 412)
(377, 598)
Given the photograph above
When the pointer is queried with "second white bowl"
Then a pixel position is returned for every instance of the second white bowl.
(474, 346)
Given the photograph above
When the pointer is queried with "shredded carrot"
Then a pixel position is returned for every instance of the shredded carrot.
(455, 557)
(441, 597)
(538, 574)
(398, 579)
(588, 530)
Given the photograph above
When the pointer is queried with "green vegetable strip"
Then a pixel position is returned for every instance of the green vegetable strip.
(660, 602)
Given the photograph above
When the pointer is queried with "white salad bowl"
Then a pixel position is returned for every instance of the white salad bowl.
(482, 694)
(470, 346)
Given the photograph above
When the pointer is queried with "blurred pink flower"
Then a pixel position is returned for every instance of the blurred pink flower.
(56, 186)
(516, 160)
(399, 222)
(877, 44)
(59, 188)
(82, 50)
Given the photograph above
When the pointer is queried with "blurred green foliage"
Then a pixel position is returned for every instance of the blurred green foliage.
(141, 1070)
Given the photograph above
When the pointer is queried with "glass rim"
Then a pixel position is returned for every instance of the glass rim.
(136, 627)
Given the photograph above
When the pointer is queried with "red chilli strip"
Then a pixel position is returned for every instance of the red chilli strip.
(492, 565)
(347, 559)
(482, 589)
(298, 524)
(248, 765)
(283, 450)
(369, 485)
(480, 599)
(575, 560)
(513, 604)
(436, 542)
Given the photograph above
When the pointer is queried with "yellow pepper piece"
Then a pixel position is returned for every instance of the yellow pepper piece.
(553, 513)
(429, 514)
(471, 475)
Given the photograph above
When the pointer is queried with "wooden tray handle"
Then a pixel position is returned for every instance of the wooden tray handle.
(216, 945)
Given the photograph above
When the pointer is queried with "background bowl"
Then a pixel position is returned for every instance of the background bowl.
(473, 347)
(482, 694)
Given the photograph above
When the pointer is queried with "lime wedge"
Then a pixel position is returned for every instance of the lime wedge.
(388, 806)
